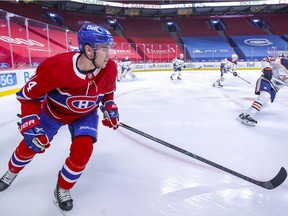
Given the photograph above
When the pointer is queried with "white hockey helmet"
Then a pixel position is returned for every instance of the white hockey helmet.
(181, 56)
(234, 56)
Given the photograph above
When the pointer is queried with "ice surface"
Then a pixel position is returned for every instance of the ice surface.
(129, 175)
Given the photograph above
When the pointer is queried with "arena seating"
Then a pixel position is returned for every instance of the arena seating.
(154, 42)
(240, 26)
(194, 26)
(278, 23)
(142, 39)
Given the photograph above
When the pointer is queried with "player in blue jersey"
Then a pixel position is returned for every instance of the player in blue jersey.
(274, 77)
(227, 65)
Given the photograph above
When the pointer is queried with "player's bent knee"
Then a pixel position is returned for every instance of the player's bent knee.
(264, 97)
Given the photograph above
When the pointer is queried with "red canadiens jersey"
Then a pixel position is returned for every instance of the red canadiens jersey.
(68, 93)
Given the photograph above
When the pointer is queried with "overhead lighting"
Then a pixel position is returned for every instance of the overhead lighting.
(186, 11)
(132, 12)
(215, 21)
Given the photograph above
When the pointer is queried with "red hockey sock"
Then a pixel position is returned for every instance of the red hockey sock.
(80, 152)
(20, 157)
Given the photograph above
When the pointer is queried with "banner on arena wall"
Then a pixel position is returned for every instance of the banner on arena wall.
(124, 49)
(36, 45)
(161, 51)
(259, 46)
(208, 48)
(165, 50)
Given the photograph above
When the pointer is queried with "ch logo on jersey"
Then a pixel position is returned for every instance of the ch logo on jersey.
(81, 104)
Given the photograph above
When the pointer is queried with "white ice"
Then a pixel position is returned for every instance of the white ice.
(130, 175)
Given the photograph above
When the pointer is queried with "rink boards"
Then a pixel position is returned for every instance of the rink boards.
(12, 80)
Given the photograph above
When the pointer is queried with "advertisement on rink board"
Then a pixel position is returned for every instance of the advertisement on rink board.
(12, 80)
(192, 66)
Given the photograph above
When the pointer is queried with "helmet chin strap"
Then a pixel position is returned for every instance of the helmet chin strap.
(92, 60)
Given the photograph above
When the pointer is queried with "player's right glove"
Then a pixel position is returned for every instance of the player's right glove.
(111, 115)
(235, 73)
(34, 136)
(267, 73)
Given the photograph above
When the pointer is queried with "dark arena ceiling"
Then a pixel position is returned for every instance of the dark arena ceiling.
(152, 8)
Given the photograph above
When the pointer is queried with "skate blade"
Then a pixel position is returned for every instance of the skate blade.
(64, 213)
(217, 86)
(246, 122)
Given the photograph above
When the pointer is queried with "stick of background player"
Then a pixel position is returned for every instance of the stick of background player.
(240, 77)
(178, 63)
(227, 65)
(87, 79)
(274, 77)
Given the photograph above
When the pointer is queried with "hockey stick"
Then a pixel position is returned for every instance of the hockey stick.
(279, 80)
(243, 79)
(273, 183)
(196, 68)
(240, 77)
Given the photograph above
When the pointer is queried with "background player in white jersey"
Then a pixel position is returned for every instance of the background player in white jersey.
(119, 68)
(227, 65)
(274, 77)
(126, 65)
(178, 63)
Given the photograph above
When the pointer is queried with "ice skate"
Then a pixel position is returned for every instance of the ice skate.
(217, 85)
(179, 78)
(171, 77)
(63, 200)
(247, 120)
(7, 179)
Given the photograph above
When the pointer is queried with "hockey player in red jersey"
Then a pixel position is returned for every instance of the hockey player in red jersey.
(67, 89)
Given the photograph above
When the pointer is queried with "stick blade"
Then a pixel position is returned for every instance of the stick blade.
(277, 180)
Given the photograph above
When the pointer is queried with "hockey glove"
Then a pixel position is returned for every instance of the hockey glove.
(184, 66)
(235, 73)
(267, 73)
(111, 115)
(34, 136)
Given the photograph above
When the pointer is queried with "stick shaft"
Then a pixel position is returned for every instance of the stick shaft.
(275, 182)
(243, 79)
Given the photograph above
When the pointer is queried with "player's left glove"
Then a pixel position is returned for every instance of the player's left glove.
(111, 115)
(184, 66)
(235, 73)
